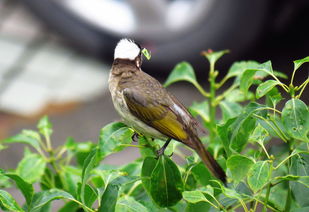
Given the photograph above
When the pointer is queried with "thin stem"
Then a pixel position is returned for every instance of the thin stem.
(218, 85)
(269, 108)
(212, 106)
(302, 90)
(132, 145)
(287, 158)
(303, 84)
(293, 74)
(264, 149)
(201, 90)
(137, 183)
(48, 143)
(84, 206)
(276, 125)
(225, 93)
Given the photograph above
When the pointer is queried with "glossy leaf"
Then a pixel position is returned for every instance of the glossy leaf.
(8, 202)
(202, 174)
(258, 175)
(235, 132)
(43, 198)
(300, 167)
(31, 168)
(45, 126)
(200, 109)
(148, 166)
(238, 68)
(230, 109)
(300, 62)
(194, 196)
(24, 138)
(25, 188)
(246, 80)
(110, 195)
(112, 138)
(129, 204)
(239, 166)
(90, 162)
(166, 183)
(273, 97)
(149, 149)
(265, 87)
(237, 95)
(295, 117)
(182, 72)
(214, 56)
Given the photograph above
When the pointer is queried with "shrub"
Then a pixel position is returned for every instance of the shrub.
(261, 173)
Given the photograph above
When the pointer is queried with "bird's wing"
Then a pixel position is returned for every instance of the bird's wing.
(155, 113)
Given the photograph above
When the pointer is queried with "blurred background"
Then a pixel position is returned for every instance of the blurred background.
(55, 55)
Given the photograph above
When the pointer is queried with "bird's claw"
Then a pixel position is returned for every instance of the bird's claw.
(160, 152)
(135, 137)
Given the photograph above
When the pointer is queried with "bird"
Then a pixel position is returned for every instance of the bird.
(147, 107)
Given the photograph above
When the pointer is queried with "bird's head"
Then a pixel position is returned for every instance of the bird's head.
(128, 50)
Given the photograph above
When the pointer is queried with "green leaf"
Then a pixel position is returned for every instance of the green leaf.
(295, 117)
(149, 149)
(230, 109)
(31, 168)
(90, 162)
(110, 195)
(265, 87)
(246, 80)
(69, 207)
(214, 56)
(300, 167)
(259, 175)
(305, 209)
(238, 68)
(146, 53)
(8, 202)
(43, 198)
(182, 72)
(194, 196)
(239, 166)
(273, 97)
(300, 62)
(25, 188)
(250, 75)
(90, 195)
(200, 109)
(24, 138)
(237, 95)
(129, 204)
(200, 206)
(45, 126)
(202, 174)
(112, 138)
(235, 132)
(148, 166)
(166, 183)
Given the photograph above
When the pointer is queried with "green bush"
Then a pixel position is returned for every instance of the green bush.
(261, 174)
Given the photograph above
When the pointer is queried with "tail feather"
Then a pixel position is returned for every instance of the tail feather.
(208, 160)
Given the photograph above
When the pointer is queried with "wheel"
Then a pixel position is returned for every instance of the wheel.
(174, 30)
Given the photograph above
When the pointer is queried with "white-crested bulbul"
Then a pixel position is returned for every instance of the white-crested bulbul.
(147, 107)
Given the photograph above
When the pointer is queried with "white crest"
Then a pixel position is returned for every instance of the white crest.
(126, 49)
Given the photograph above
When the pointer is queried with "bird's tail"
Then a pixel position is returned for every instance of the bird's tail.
(208, 159)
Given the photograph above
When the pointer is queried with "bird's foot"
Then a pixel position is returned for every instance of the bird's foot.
(160, 152)
(135, 137)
